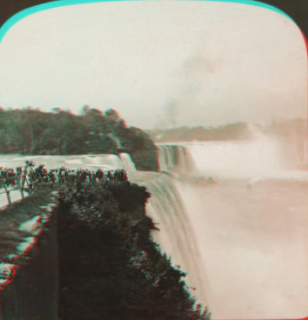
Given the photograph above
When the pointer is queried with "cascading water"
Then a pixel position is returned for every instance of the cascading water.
(162, 161)
(254, 241)
(176, 236)
(127, 162)
(246, 159)
(175, 159)
(109, 160)
(236, 159)
(243, 250)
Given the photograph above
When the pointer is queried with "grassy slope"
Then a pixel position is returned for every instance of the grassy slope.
(16, 214)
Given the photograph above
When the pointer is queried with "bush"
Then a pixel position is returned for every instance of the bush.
(141, 148)
(109, 266)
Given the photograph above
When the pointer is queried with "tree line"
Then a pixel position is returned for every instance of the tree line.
(33, 132)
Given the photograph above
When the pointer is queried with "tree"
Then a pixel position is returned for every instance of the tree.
(31, 131)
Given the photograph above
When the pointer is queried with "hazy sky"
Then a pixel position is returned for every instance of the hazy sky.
(197, 63)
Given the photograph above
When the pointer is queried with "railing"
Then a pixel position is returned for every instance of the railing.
(25, 180)
(18, 181)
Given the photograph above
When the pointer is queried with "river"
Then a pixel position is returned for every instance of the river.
(254, 246)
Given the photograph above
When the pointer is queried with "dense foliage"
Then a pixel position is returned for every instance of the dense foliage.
(31, 132)
(109, 266)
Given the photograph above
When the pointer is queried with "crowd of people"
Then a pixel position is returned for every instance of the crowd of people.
(32, 175)
(9, 177)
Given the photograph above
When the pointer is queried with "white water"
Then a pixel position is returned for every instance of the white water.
(127, 162)
(254, 247)
(254, 242)
(236, 160)
(177, 159)
(232, 159)
(176, 236)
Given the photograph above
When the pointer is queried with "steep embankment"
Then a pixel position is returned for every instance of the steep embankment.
(116, 271)
(28, 253)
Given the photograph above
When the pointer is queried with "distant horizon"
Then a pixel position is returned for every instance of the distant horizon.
(278, 120)
(167, 127)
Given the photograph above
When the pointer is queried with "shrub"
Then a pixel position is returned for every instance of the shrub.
(109, 266)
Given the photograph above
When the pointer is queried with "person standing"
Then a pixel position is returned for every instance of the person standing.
(28, 175)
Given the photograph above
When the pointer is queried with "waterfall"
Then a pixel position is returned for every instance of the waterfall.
(249, 244)
(175, 159)
(222, 159)
(127, 162)
(162, 161)
(259, 157)
(176, 236)
(110, 160)
(229, 160)
(182, 159)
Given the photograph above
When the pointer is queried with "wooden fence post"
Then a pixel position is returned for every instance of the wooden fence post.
(7, 193)
(20, 185)
(22, 181)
